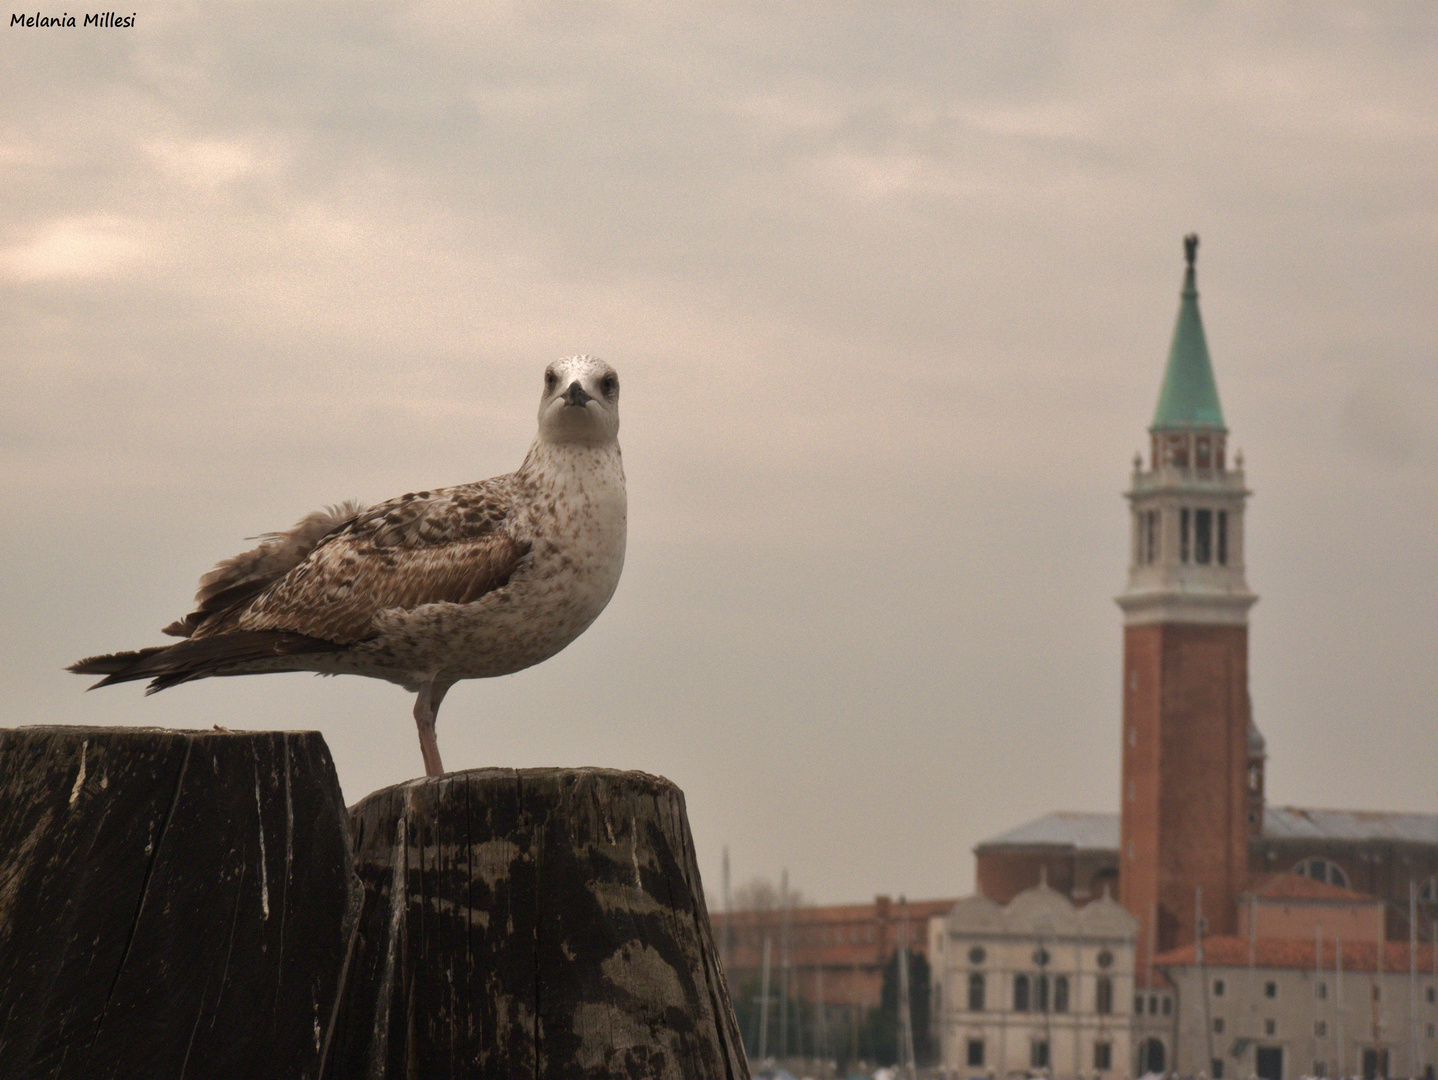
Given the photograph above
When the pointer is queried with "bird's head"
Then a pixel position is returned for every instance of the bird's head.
(580, 402)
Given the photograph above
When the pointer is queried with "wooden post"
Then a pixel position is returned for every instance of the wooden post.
(532, 923)
(172, 903)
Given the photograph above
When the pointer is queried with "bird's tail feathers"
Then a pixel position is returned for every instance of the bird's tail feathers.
(198, 658)
(113, 664)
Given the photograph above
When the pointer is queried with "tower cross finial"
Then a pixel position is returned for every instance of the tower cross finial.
(1190, 248)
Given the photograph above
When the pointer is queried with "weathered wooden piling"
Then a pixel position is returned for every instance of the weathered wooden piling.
(539, 923)
(172, 903)
(185, 903)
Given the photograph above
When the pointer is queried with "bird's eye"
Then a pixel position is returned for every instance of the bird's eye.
(609, 384)
(551, 380)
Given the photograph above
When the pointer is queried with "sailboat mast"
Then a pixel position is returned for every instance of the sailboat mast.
(784, 964)
(1199, 929)
(1338, 991)
(764, 1003)
(1414, 1067)
(821, 1022)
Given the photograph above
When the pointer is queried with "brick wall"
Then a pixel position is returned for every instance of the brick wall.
(1185, 760)
(851, 942)
(1002, 871)
(1348, 922)
(1378, 868)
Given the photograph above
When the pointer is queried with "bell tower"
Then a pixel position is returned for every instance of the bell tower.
(1187, 811)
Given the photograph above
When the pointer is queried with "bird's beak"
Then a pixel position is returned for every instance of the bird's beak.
(575, 395)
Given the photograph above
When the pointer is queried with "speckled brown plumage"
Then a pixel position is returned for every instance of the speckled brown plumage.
(449, 546)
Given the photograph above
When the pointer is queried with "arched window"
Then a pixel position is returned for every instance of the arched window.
(1103, 995)
(976, 991)
(1321, 869)
(1041, 993)
(1021, 993)
(1061, 993)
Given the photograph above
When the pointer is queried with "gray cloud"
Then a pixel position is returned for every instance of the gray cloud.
(1384, 415)
(890, 288)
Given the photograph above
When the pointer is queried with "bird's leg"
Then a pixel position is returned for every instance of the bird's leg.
(426, 709)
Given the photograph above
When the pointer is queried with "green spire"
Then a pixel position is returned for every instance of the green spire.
(1189, 397)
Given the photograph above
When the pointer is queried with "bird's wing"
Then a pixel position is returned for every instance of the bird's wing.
(234, 582)
(448, 546)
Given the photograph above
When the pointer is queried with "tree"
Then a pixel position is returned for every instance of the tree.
(880, 1037)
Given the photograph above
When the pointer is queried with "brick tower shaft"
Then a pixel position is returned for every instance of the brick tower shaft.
(1185, 762)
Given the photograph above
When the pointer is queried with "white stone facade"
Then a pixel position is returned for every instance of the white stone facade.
(1035, 987)
(1286, 1023)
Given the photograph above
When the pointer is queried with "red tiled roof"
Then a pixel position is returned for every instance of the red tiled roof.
(845, 935)
(1297, 953)
(918, 911)
(1160, 980)
(1297, 887)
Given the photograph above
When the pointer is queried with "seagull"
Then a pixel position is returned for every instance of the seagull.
(465, 582)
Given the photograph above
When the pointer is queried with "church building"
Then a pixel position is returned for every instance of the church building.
(1195, 854)
(1197, 930)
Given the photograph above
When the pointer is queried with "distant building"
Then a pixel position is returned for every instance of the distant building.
(1374, 853)
(1286, 1007)
(1233, 907)
(1297, 907)
(1370, 851)
(1037, 984)
(1194, 850)
(1074, 852)
(835, 953)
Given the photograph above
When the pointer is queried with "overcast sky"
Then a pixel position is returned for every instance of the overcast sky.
(890, 288)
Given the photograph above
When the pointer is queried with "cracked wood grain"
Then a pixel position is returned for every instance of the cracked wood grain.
(151, 924)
